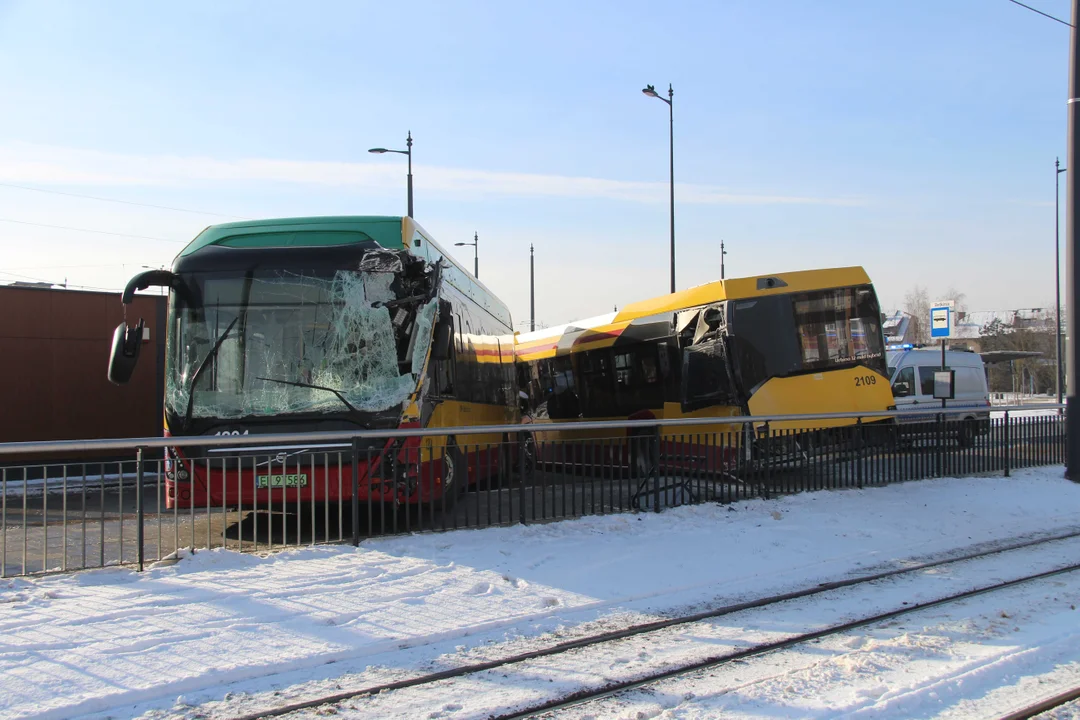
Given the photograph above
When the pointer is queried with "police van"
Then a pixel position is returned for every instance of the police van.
(911, 375)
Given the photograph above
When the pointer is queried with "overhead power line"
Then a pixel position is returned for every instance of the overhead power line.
(24, 277)
(1017, 2)
(122, 202)
(86, 230)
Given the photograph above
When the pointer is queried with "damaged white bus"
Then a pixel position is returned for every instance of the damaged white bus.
(325, 323)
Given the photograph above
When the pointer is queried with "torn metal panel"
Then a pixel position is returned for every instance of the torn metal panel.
(382, 261)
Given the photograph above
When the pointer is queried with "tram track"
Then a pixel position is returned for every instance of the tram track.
(1046, 705)
(587, 696)
(642, 629)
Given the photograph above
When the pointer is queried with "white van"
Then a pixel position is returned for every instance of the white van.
(911, 374)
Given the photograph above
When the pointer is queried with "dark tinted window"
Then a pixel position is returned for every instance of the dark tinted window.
(705, 376)
(926, 380)
(764, 342)
(597, 384)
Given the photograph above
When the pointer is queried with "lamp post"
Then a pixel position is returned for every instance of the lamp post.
(1072, 258)
(651, 92)
(723, 252)
(475, 259)
(532, 294)
(407, 153)
(1057, 277)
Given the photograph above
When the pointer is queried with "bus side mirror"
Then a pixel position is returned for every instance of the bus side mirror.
(126, 344)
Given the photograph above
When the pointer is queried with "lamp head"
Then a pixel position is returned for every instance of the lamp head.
(650, 91)
(378, 151)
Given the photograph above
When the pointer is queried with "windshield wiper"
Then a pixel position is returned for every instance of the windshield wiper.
(339, 394)
(202, 366)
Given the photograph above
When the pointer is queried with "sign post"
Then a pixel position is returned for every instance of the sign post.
(941, 327)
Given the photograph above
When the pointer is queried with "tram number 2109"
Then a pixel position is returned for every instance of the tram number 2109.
(861, 380)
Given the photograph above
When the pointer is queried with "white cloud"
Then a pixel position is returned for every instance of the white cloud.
(51, 165)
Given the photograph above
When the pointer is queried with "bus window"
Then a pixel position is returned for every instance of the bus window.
(623, 370)
(561, 392)
(705, 377)
(598, 391)
(444, 367)
(765, 343)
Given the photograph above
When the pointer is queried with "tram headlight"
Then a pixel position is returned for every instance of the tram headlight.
(182, 475)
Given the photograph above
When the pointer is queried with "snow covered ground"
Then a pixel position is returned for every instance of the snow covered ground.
(220, 634)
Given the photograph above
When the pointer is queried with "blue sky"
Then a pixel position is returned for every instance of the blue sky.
(914, 138)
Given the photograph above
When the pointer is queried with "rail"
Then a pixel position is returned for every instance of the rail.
(346, 436)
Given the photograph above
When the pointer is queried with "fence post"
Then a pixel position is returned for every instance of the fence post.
(521, 475)
(941, 445)
(1007, 444)
(355, 459)
(767, 453)
(656, 468)
(140, 510)
(859, 453)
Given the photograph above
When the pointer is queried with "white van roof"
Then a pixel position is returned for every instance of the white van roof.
(922, 358)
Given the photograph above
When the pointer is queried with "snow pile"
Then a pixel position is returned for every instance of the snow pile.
(120, 642)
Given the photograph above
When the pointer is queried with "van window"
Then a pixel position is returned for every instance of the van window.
(969, 381)
(926, 379)
(906, 376)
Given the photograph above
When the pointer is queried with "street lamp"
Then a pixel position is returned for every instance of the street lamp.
(408, 153)
(723, 252)
(476, 261)
(651, 92)
(1057, 276)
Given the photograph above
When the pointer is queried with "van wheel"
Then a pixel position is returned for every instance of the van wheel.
(966, 435)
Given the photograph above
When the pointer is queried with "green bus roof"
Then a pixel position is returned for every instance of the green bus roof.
(301, 232)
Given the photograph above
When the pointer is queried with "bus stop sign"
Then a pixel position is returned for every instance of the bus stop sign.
(940, 322)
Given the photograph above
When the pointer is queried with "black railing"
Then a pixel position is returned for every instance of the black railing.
(248, 494)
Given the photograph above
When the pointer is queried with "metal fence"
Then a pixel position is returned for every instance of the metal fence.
(60, 516)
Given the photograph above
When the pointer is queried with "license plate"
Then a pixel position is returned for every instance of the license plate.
(296, 480)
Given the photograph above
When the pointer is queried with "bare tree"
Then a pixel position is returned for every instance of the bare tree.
(959, 300)
(917, 305)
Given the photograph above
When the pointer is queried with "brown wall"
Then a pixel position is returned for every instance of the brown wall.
(54, 353)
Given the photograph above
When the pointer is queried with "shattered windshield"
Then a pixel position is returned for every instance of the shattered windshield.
(293, 341)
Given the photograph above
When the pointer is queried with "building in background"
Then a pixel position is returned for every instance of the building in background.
(54, 353)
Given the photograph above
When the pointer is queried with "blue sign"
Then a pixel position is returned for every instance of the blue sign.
(940, 322)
